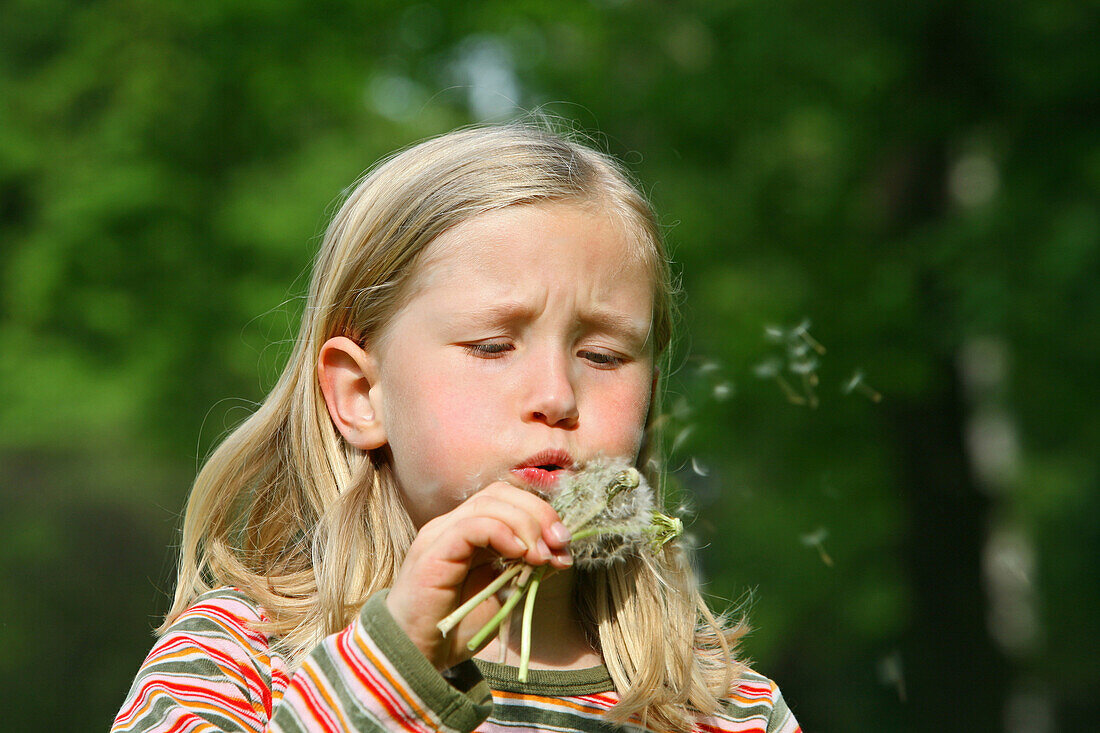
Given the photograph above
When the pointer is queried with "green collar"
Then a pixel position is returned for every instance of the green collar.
(551, 682)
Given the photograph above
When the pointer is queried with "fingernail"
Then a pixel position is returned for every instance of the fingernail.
(565, 558)
(544, 551)
(520, 543)
(560, 532)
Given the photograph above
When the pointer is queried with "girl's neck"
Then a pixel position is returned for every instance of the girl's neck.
(557, 639)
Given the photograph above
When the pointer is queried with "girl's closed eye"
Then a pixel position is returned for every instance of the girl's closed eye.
(602, 359)
(488, 349)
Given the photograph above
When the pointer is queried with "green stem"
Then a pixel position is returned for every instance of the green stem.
(502, 640)
(480, 637)
(460, 613)
(589, 532)
(528, 613)
(584, 533)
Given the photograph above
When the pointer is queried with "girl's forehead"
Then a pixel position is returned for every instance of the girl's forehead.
(535, 234)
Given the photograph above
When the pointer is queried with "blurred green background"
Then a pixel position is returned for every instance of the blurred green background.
(917, 179)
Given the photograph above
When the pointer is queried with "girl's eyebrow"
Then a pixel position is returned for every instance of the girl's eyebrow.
(617, 324)
(498, 313)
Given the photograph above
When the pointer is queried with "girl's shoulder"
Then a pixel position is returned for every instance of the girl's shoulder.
(213, 653)
(758, 698)
(227, 624)
(222, 606)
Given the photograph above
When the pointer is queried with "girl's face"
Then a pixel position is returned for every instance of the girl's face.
(523, 351)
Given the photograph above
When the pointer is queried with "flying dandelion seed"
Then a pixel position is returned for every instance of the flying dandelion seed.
(798, 351)
(768, 369)
(775, 333)
(800, 357)
(891, 672)
(722, 391)
(681, 438)
(857, 383)
(708, 367)
(681, 409)
(802, 331)
(816, 539)
(806, 369)
(698, 468)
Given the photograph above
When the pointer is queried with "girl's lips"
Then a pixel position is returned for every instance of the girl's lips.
(542, 470)
(537, 477)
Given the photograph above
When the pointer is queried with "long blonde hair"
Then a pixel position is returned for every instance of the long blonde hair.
(310, 527)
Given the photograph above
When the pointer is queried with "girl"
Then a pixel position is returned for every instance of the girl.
(485, 316)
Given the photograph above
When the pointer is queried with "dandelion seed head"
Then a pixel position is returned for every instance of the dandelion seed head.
(608, 506)
(663, 529)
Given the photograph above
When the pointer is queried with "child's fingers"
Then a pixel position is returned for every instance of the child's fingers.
(463, 531)
(537, 524)
(483, 531)
(553, 532)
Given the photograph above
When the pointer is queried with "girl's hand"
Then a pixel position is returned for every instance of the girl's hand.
(453, 556)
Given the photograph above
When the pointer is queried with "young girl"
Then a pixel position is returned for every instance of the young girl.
(485, 316)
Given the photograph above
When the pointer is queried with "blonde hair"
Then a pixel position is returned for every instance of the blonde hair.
(310, 527)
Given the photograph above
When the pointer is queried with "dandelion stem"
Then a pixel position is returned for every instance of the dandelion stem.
(502, 639)
(459, 613)
(619, 529)
(528, 613)
(582, 534)
(480, 637)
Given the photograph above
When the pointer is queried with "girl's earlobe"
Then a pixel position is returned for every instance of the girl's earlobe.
(349, 380)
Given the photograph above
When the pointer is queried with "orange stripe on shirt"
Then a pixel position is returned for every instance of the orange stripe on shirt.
(401, 690)
(546, 700)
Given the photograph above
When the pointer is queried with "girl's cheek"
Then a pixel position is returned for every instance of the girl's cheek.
(625, 416)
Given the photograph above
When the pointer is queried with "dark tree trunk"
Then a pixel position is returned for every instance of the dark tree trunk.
(956, 678)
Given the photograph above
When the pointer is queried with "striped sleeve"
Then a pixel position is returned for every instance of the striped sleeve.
(371, 677)
(211, 671)
(781, 719)
(757, 706)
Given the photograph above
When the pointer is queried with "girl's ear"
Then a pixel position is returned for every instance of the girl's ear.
(349, 380)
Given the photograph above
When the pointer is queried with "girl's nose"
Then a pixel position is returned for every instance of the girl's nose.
(551, 397)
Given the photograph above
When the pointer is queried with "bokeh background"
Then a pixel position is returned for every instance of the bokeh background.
(910, 517)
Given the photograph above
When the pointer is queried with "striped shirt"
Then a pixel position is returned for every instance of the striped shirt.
(211, 671)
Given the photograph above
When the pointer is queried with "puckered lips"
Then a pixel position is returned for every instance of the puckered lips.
(542, 470)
